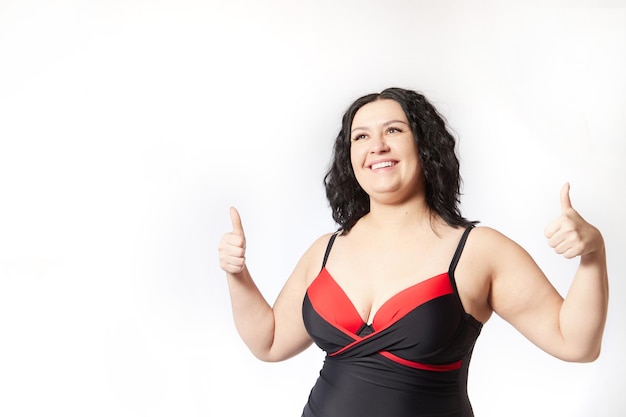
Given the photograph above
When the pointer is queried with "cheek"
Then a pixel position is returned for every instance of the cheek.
(357, 161)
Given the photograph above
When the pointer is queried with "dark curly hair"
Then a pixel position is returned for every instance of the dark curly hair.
(436, 149)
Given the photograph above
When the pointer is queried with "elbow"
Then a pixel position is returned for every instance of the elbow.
(582, 359)
(270, 355)
(265, 357)
(588, 355)
(274, 354)
(592, 353)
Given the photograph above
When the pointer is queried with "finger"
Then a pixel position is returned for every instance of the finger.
(236, 221)
(232, 264)
(551, 229)
(569, 249)
(566, 203)
(555, 240)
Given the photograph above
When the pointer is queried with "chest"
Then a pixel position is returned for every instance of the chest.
(371, 275)
(418, 322)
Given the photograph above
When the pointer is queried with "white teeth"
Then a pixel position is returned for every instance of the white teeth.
(382, 165)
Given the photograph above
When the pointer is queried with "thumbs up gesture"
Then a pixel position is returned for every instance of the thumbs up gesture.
(232, 247)
(569, 234)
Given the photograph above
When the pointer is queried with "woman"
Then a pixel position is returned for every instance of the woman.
(397, 297)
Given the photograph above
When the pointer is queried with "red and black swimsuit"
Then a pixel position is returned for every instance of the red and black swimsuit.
(412, 361)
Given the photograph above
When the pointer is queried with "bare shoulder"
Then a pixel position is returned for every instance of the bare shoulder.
(305, 271)
(495, 249)
(485, 256)
(487, 235)
(318, 247)
(503, 259)
(312, 259)
(491, 241)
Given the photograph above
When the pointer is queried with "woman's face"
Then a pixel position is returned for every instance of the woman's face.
(383, 152)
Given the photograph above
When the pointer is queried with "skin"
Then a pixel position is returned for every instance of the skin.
(400, 242)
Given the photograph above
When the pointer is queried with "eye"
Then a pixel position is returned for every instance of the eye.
(393, 129)
(359, 137)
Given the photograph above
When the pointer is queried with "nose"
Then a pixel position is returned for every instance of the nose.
(379, 144)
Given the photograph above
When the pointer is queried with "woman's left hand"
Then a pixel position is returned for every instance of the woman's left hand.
(569, 234)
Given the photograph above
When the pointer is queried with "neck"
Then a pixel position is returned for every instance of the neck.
(411, 215)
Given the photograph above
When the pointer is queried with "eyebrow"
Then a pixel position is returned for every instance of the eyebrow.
(390, 122)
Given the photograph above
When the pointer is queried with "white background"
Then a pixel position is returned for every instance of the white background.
(127, 129)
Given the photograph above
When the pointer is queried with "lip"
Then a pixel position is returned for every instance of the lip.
(372, 164)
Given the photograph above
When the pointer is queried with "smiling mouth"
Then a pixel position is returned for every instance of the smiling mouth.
(380, 165)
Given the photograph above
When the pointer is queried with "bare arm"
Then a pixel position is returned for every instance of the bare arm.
(271, 333)
(571, 328)
(583, 313)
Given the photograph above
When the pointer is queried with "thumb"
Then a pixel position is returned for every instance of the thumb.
(566, 203)
(236, 221)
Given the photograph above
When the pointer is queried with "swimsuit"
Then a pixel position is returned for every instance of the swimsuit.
(412, 361)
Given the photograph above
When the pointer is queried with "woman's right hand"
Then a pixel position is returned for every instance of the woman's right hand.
(272, 333)
(232, 247)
